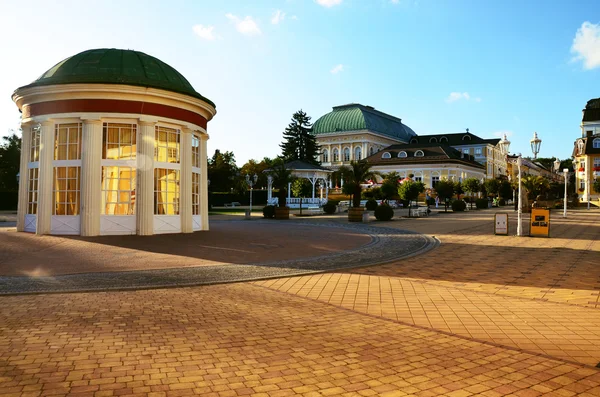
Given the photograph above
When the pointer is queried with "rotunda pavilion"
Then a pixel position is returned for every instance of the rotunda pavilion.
(114, 142)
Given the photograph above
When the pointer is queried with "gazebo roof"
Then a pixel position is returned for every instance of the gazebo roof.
(299, 165)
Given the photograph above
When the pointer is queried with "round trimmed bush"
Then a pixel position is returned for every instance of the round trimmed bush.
(269, 212)
(384, 212)
(481, 204)
(501, 202)
(371, 205)
(329, 207)
(458, 205)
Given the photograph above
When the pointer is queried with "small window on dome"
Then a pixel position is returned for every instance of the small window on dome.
(466, 138)
(433, 140)
(443, 139)
(402, 154)
(386, 155)
(419, 153)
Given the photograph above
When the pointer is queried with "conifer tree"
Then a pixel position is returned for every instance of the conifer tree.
(298, 142)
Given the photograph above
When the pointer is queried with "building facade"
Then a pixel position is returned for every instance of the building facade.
(586, 153)
(114, 142)
(428, 163)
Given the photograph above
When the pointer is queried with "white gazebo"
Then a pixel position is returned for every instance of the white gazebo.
(315, 174)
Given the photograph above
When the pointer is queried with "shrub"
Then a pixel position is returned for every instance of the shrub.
(458, 205)
(330, 207)
(269, 211)
(501, 202)
(481, 203)
(384, 212)
(371, 205)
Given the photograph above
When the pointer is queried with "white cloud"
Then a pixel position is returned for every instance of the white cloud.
(328, 3)
(278, 16)
(204, 32)
(246, 26)
(586, 45)
(457, 96)
(338, 68)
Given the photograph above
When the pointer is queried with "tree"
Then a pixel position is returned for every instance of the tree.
(596, 185)
(10, 158)
(298, 142)
(281, 177)
(535, 186)
(410, 190)
(505, 190)
(301, 188)
(472, 186)
(357, 173)
(389, 187)
(253, 167)
(223, 172)
(458, 189)
(445, 191)
(492, 186)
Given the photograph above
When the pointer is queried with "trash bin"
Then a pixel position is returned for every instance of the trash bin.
(365, 217)
(248, 213)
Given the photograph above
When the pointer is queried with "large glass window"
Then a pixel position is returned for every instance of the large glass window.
(67, 141)
(34, 154)
(166, 145)
(118, 190)
(357, 153)
(434, 181)
(119, 141)
(195, 151)
(325, 156)
(596, 143)
(66, 190)
(336, 155)
(32, 200)
(346, 154)
(195, 194)
(166, 191)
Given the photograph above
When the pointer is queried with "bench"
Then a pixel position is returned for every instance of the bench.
(421, 211)
(314, 210)
(233, 204)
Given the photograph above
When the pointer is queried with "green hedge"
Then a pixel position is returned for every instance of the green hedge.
(481, 204)
(384, 213)
(371, 205)
(458, 205)
(219, 199)
(8, 200)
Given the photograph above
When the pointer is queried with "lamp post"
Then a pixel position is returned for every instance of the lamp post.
(565, 172)
(505, 145)
(535, 145)
(251, 182)
(519, 209)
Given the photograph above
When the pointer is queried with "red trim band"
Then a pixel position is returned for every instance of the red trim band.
(113, 106)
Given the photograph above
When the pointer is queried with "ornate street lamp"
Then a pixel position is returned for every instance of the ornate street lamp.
(505, 144)
(535, 145)
(251, 182)
(519, 209)
(566, 173)
(556, 165)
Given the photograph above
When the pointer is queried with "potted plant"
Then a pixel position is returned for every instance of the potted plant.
(281, 177)
(357, 173)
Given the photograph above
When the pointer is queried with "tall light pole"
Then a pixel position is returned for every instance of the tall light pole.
(565, 172)
(251, 182)
(505, 145)
(535, 145)
(519, 208)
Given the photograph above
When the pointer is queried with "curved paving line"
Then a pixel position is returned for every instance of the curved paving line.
(386, 245)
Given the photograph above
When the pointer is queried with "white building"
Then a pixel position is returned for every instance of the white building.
(114, 142)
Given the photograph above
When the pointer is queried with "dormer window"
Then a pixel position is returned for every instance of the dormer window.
(596, 143)
(386, 155)
(443, 139)
(402, 154)
(414, 140)
(419, 153)
(432, 140)
(466, 138)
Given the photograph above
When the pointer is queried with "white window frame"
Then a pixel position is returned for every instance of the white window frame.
(357, 153)
(402, 155)
(325, 156)
(346, 153)
(596, 143)
(386, 155)
(419, 153)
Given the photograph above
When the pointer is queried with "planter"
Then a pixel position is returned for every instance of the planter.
(355, 214)
(282, 213)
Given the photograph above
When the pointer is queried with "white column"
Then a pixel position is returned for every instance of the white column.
(269, 189)
(145, 179)
(364, 150)
(289, 191)
(185, 187)
(341, 155)
(24, 176)
(46, 177)
(204, 182)
(91, 177)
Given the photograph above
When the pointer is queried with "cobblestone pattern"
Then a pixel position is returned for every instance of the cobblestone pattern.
(386, 245)
(241, 340)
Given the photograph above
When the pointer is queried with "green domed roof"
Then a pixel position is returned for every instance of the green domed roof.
(356, 117)
(113, 66)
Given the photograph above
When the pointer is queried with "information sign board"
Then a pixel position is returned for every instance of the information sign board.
(501, 224)
(539, 224)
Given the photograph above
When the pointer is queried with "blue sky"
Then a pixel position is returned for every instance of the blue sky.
(440, 65)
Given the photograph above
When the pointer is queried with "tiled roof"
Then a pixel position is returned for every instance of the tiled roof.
(454, 139)
(592, 110)
(432, 153)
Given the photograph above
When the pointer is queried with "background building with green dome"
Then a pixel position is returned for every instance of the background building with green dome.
(114, 142)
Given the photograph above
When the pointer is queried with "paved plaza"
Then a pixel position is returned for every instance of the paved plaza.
(477, 315)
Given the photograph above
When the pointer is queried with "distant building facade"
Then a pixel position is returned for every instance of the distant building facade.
(586, 153)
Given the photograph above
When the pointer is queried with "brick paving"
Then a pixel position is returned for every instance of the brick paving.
(480, 315)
